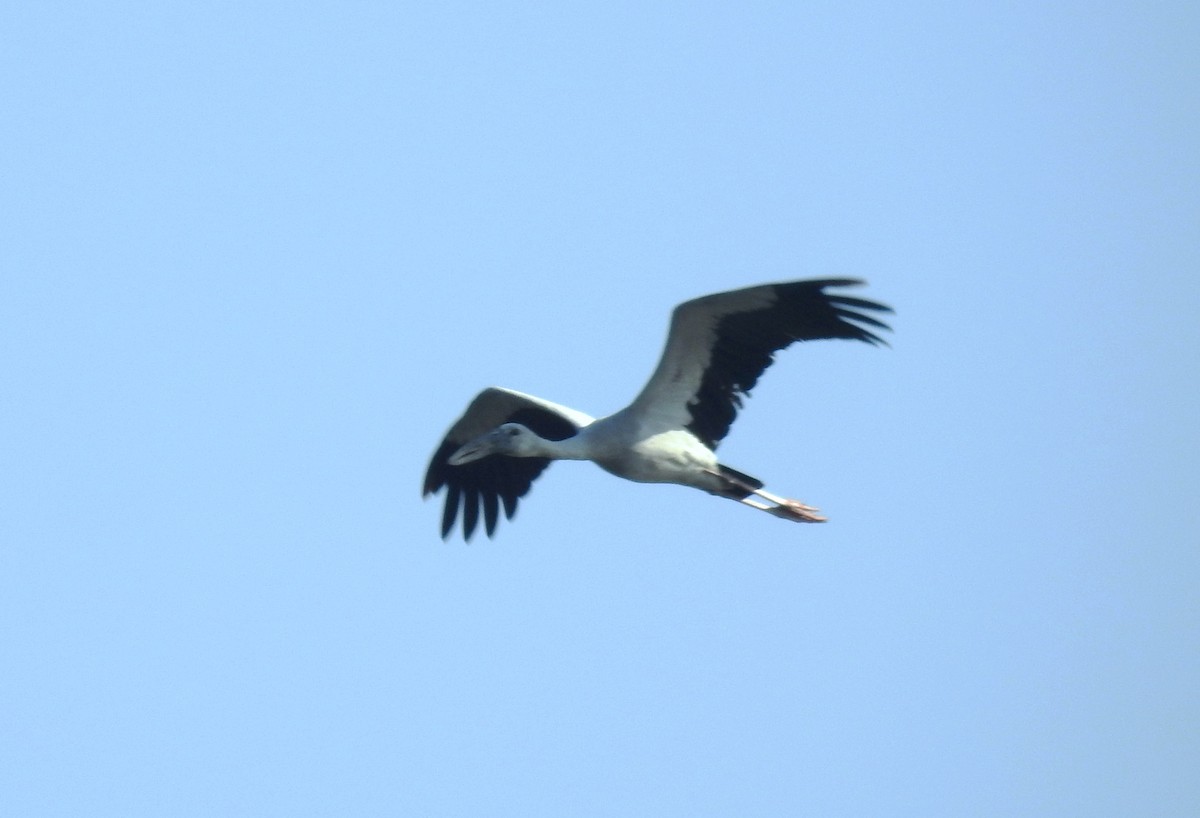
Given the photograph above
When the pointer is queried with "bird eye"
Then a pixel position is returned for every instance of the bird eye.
(512, 432)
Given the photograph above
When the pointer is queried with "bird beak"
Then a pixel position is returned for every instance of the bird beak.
(477, 449)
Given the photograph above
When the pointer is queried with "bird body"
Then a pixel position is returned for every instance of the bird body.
(644, 456)
(716, 349)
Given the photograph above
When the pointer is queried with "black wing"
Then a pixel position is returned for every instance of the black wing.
(495, 480)
(719, 345)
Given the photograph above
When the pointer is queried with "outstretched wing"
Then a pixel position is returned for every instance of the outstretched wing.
(496, 479)
(720, 344)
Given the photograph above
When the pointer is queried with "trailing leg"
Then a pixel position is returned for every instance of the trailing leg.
(742, 487)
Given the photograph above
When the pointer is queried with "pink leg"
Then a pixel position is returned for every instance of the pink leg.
(797, 511)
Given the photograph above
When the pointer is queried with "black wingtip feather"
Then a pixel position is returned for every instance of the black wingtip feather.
(450, 511)
(470, 512)
(491, 512)
(849, 315)
(746, 343)
(861, 303)
(493, 482)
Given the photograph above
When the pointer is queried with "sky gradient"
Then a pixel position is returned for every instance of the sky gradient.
(258, 257)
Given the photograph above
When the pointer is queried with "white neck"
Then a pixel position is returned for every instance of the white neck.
(573, 448)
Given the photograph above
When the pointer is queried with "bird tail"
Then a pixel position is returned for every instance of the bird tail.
(737, 484)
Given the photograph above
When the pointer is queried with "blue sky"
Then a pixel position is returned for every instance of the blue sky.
(258, 256)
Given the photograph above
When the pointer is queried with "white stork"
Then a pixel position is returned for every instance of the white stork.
(716, 349)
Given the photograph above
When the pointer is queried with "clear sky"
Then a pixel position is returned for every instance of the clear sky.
(256, 257)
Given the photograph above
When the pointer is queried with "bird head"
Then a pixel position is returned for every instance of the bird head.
(510, 439)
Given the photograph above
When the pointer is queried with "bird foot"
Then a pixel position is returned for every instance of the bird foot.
(797, 512)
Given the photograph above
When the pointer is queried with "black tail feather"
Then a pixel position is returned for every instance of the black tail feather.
(739, 485)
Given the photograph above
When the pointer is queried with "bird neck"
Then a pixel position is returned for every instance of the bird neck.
(573, 448)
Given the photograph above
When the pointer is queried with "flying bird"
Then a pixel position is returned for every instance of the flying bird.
(716, 349)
